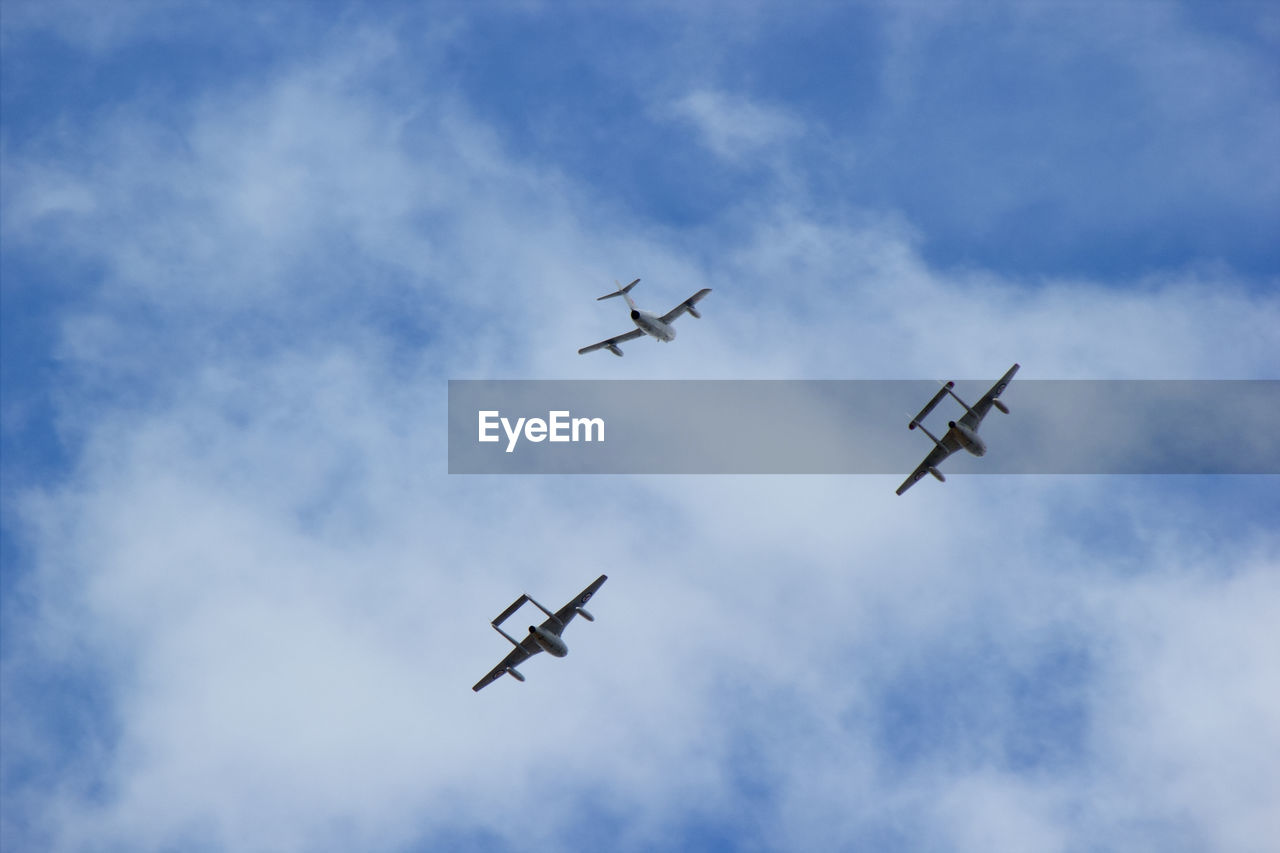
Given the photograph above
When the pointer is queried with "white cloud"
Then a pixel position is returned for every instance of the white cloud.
(735, 128)
(259, 553)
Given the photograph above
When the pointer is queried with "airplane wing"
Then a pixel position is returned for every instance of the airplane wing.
(627, 336)
(687, 305)
(565, 614)
(519, 654)
(983, 406)
(934, 459)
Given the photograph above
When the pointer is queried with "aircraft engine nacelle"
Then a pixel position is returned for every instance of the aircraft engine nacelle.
(1001, 406)
(937, 474)
(613, 348)
(584, 614)
(694, 312)
(968, 439)
(549, 642)
(514, 673)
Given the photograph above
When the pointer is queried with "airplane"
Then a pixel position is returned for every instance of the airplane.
(544, 637)
(961, 434)
(646, 323)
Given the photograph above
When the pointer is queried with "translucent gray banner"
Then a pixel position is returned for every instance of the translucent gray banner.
(859, 427)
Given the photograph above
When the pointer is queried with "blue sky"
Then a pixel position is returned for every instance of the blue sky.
(245, 246)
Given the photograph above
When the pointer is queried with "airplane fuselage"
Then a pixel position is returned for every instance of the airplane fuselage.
(550, 643)
(968, 438)
(652, 325)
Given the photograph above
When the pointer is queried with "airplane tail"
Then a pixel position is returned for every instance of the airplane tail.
(931, 405)
(502, 617)
(621, 291)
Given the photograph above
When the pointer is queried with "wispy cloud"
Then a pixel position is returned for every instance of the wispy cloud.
(269, 599)
(736, 129)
